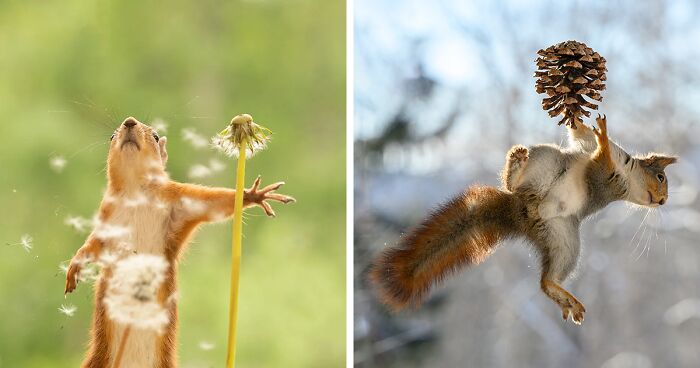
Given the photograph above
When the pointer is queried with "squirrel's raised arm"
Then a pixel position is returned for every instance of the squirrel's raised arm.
(199, 203)
(87, 253)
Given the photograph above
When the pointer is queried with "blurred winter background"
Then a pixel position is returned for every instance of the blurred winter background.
(443, 89)
(72, 71)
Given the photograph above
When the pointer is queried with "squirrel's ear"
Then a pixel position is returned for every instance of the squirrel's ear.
(659, 161)
(163, 152)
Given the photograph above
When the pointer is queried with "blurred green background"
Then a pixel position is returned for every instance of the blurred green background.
(71, 71)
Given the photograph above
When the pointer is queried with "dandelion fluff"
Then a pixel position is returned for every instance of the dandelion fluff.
(25, 242)
(206, 345)
(242, 132)
(194, 138)
(78, 223)
(57, 163)
(198, 171)
(68, 310)
(131, 296)
(216, 165)
(159, 125)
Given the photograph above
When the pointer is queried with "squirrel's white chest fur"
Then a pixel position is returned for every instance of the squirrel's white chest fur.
(568, 194)
(138, 225)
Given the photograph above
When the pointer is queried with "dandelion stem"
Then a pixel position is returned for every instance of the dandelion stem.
(122, 345)
(236, 239)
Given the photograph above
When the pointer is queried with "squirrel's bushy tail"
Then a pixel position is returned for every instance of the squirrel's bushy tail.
(461, 232)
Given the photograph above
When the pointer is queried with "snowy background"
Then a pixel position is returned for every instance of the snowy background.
(443, 89)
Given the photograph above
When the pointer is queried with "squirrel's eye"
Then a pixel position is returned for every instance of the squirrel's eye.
(112, 137)
(156, 137)
(660, 177)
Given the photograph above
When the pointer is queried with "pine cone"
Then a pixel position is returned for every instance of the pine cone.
(566, 72)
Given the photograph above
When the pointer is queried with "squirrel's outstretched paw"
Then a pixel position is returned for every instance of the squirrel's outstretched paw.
(602, 130)
(575, 310)
(72, 277)
(260, 196)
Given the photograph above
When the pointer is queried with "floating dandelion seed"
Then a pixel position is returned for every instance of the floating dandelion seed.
(159, 125)
(199, 171)
(63, 267)
(68, 310)
(216, 165)
(242, 132)
(78, 223)
(57, 163)
(25, 241)
(131, 292)
(206, 345)
(194, 138)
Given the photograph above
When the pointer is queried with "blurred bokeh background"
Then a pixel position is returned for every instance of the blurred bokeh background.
(71, 71)
(443, 89)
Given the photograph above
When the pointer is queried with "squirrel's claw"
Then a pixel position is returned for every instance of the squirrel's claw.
(575, 310)
(272, 187)
(256, 184)
(260, 196)
(72, 278)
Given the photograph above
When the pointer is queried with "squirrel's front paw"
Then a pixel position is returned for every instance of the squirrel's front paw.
(260, 196)
(575, 309)
(602, 131)
(72, 277)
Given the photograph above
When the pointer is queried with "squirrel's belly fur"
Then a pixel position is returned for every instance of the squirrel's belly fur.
(147, 234)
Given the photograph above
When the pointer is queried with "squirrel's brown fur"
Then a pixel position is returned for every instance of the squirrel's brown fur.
(461, 232)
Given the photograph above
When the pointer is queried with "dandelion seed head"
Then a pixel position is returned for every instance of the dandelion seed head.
(194, 138)
(57, 163)
(68, 310)
(242, 132)
(131, 296)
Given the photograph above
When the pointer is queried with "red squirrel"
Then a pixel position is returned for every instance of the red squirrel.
(154, 215)
(547, 192)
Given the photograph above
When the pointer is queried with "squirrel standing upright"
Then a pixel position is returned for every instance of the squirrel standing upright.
(159, 216)
(548, 191)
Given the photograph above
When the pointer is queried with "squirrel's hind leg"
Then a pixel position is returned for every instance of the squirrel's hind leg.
(559, 245)
(516, 160)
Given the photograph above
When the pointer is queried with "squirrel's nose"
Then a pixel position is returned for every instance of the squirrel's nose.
(129, 122)
(662, 201)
